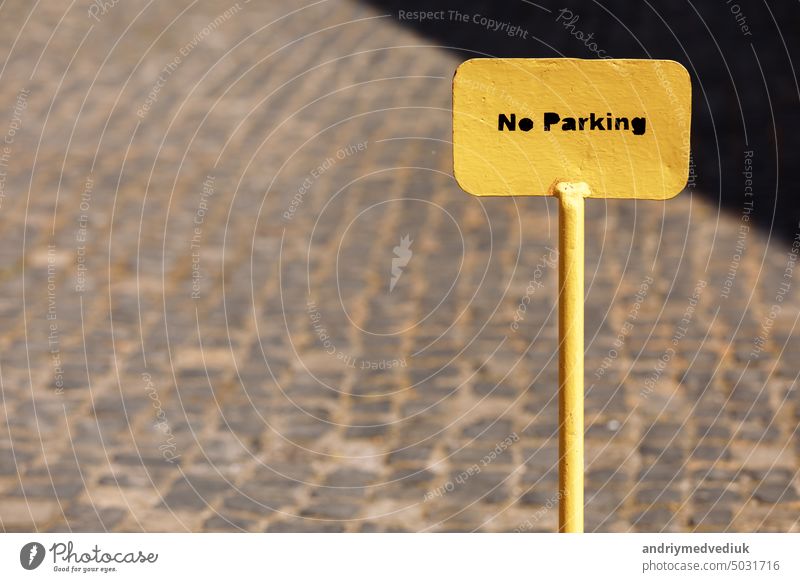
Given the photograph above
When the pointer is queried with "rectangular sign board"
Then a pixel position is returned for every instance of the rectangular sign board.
(622, 126)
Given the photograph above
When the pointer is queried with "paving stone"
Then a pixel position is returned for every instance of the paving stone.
(301, 526)
(350, 478)
(18, 514)
(715, 520)
(774, 493)
(655, 520)
(219, 523)
(331, 510)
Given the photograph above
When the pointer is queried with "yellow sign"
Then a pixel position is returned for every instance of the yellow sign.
(573, 129)
(621, 126)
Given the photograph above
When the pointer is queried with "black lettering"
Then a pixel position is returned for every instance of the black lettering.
(511, 124)
(550, 118)
(639, 125)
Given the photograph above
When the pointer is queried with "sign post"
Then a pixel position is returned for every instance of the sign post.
(573, 129)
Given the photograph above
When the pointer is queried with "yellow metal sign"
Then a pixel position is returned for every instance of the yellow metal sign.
(573, 129)
(621, 126)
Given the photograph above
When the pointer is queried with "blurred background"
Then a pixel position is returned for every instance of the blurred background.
(241, 291)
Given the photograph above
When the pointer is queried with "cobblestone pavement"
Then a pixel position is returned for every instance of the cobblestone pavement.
(240, 290)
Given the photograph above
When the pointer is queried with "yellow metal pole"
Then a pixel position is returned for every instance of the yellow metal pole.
(570, 355)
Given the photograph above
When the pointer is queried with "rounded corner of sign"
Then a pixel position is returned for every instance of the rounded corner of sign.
(678, 64)
(676, 188)
(463, 184)
(674, 193)
(681, 70)
(465, 65)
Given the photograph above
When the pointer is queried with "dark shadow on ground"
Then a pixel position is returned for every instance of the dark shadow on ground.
(739, 53)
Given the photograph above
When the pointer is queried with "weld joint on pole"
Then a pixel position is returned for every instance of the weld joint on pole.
(571, 190)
